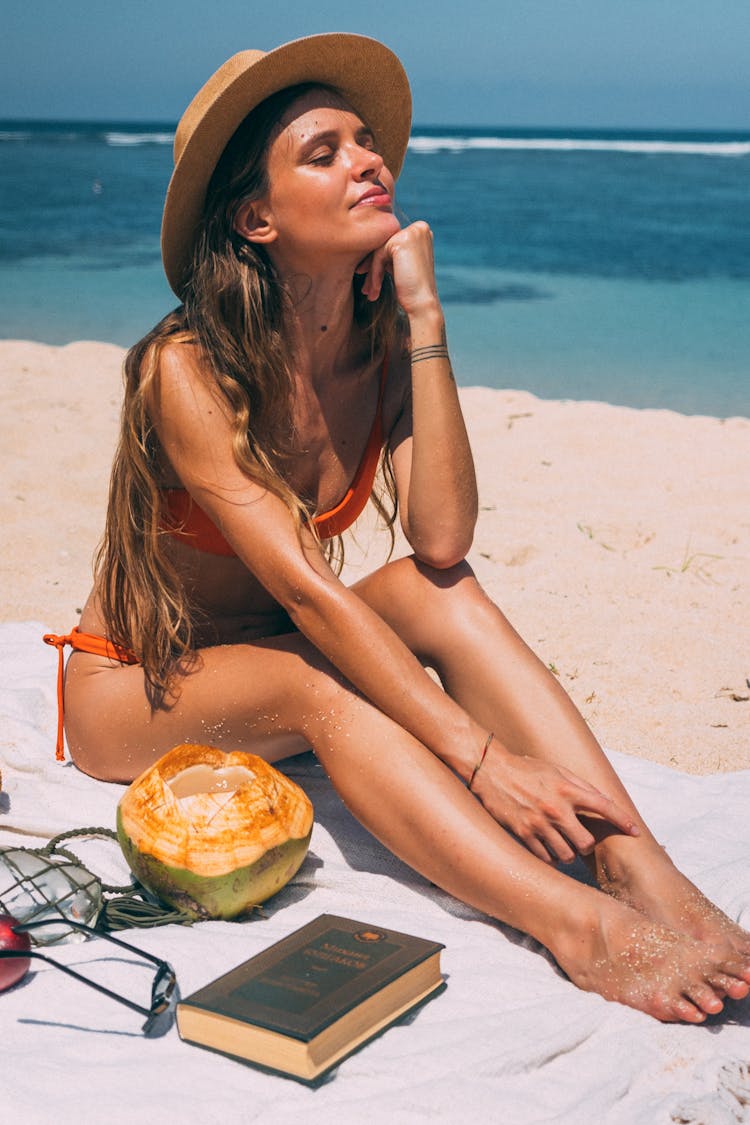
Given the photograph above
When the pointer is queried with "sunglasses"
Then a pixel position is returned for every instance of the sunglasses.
(165, 992)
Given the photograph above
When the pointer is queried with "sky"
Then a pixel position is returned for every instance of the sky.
(620, 63)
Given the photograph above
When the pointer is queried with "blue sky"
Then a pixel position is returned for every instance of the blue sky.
(638, 63)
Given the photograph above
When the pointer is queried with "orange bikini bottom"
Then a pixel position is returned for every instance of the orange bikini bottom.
(81, 642)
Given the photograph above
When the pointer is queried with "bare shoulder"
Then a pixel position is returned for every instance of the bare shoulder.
(176, 360)
(182, 380)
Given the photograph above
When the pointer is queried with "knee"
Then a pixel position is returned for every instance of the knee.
(454, 577)
(433, 594)
(445, 586)
(454, 599)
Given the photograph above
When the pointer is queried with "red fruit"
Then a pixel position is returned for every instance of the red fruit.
(12, 969)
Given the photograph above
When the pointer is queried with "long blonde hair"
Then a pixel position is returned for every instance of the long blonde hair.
(235, 310)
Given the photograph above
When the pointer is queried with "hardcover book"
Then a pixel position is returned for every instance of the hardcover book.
(303, 1004)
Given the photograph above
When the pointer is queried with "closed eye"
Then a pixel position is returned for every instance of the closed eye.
(322, 149)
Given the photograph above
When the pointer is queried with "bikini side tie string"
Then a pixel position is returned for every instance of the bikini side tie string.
(81, 642)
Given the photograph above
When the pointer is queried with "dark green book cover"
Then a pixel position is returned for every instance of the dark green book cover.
(303, 983)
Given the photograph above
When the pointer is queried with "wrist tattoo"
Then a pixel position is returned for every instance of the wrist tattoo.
(432, 351)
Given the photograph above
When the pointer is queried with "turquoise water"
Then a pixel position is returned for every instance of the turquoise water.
(681, 346)
(587, 265)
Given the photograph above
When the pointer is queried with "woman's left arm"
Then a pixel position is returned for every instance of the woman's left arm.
(432, 460)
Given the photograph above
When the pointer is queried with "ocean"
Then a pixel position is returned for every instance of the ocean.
(610, 265)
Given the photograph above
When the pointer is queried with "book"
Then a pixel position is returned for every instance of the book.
(307, 1002)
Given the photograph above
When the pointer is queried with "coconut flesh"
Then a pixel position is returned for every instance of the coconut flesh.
(211, 833)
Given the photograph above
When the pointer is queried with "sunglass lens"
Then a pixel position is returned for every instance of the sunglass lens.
(165, 995)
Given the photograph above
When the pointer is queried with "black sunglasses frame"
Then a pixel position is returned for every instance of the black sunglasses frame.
(165, 992)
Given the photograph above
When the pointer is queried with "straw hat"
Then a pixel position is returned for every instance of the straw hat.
(367, 74)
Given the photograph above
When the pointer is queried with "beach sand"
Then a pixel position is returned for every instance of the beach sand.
(616, 540)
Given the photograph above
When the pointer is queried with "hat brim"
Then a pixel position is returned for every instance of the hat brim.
(367, 74)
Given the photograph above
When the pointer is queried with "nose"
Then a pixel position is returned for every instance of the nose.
(366, 164)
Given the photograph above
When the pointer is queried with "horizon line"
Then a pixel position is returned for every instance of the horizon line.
(171, 124)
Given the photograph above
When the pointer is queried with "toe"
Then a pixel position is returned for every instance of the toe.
(671, 1008)
(738, 973)
(737, 989)
(684, 1009)
(705, 999)
(721, 983)
(726, 985)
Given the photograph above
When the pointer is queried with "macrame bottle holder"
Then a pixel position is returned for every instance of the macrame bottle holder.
(53, 882)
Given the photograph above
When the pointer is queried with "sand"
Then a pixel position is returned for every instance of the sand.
(616, 540)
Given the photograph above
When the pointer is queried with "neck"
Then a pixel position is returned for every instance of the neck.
(325, 340)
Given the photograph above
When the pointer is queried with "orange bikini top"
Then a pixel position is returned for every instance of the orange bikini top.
(185, 520)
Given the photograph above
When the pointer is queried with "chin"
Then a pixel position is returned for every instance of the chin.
(383, 226)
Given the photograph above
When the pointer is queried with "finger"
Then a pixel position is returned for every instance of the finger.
(375, 274)
(579, 837)
(364, 265)
(537, 847)
(610, 811)
(365, 268)
(560, 848)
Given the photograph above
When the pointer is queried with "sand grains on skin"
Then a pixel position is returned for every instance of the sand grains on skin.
(617, 541)
(634, 961)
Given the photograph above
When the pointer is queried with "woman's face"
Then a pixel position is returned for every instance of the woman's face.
(330, 194)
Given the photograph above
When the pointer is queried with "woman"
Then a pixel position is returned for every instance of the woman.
(310, 336)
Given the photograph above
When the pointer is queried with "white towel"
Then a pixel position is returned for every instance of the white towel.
(510, 1040)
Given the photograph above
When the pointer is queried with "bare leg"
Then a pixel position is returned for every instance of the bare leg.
(276, 697)
(448, 621)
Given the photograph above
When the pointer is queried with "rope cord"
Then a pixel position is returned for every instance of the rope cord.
(131, 905)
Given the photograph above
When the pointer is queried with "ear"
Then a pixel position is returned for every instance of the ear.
(254, 222)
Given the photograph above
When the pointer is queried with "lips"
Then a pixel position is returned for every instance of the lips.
(374, 197)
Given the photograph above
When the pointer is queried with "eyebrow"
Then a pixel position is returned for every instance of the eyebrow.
(329, 135)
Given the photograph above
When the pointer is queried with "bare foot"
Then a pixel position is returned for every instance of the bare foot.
(656, 888)
(625, 957)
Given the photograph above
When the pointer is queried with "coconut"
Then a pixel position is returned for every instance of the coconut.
(213, 834)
